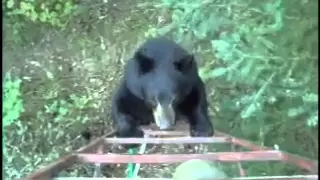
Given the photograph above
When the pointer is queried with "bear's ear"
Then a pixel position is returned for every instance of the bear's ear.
(185, 64)
(145, 63)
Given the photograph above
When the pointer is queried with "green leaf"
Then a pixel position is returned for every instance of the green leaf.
(102, 46)
(34, 16)
(63, 111)
(10, 3)
(312, 121)
(43, 16)
(201, 31)
(224, 50)
(25, 6)
(247, 69)
(249, 111)
(58, 6)
(203, 73)
(53, 14)
(6, 121)
(218, 72)
(85, 119)
(68, 7)
(49, 75)
(177, 15)
(58, 118)
(293, 112)
(310, 97)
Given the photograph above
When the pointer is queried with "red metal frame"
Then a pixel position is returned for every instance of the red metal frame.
(257, 153)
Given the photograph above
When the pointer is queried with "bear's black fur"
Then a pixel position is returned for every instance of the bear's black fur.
(160, 72)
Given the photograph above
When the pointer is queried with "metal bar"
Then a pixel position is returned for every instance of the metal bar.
(166, 133)
(49, 171)
(242, 172)
(175, 140)
(243, 143)
(91, 147)
(97, 170)
(64, 162)
(295, 177)
(301, 162)
(177, 158)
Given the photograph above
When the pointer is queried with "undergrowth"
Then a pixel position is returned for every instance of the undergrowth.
(63, 59)
(259, 64)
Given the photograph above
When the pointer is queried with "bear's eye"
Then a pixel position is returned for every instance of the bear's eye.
(146, 64)
(184, 64)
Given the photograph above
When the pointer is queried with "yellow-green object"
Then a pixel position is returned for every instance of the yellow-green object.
(131, 166)
(197, 169)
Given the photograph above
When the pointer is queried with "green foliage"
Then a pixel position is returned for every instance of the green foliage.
(51, 12)
(258, 62)
(51, 123)
(60, 121)
(67, 79)
(18, 14)
(247, 55)
(12, 102)
(244, 48)
(67, 82)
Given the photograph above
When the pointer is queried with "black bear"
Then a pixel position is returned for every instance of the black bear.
(160, 83)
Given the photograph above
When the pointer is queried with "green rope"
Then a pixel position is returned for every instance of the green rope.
(131, 166)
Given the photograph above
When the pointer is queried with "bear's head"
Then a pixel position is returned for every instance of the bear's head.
(162, 74)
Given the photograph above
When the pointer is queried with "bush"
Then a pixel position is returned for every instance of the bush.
(259, 64)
